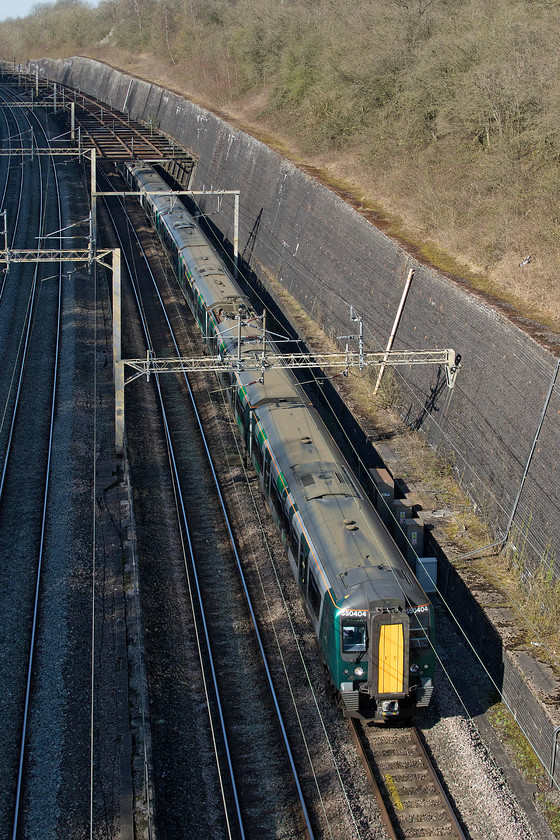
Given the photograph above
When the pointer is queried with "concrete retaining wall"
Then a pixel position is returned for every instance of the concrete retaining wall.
(529, 687)
(329, 257)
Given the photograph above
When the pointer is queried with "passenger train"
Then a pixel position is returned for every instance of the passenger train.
(373, 621)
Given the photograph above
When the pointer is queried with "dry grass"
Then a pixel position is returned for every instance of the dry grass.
(412, 206)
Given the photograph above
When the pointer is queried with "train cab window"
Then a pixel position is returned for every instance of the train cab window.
(314, 595)
(419, 630)
(354, 637)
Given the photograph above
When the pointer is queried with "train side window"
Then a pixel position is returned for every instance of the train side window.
(250, 419)
(419, 630)
(314, 595)
(353, 637)
(179, 271)
(239, 406)
(303, 560)
(276, 501)
(278, 498)
(285, 515)
(257, 452)
(293, 539)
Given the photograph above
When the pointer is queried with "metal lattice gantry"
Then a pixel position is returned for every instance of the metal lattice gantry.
(446, 358)
(261, 361)
(171, 194)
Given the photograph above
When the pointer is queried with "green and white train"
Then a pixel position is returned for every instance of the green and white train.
(373, 621)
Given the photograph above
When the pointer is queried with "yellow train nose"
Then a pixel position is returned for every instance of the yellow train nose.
(390, 679)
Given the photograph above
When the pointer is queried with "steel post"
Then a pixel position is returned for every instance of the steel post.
(93, 199)
(236, 236)
(118, 364)
(395, 326)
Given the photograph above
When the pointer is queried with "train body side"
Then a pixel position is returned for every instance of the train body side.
(374, 623)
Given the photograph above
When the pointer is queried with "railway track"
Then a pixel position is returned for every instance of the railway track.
(114, 135)
(37, 356)
(245, 731)
(411, 798)
(217, 595)
(51, 752)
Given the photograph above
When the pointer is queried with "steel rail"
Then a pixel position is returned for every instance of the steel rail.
(185, 528)
(44, 511)
(383, 811)
(19, 201)
(403, 819)
(235, 551)
(9, 152)
(27, 327)
(456, 827)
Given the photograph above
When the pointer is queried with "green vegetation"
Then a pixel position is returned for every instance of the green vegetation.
(517, 744)
(444, 112)
(526, 762)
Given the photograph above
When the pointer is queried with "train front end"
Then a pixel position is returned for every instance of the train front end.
(382, 654)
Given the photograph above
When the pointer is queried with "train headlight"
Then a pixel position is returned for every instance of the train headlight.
(358, 672)
(414, 669)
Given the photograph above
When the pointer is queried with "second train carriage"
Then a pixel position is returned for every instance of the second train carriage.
(373, 621)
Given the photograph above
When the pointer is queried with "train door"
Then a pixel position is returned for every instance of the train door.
(249, 432)
(303, 560)
(266, 473)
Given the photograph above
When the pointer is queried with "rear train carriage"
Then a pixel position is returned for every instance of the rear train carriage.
(373, 621)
